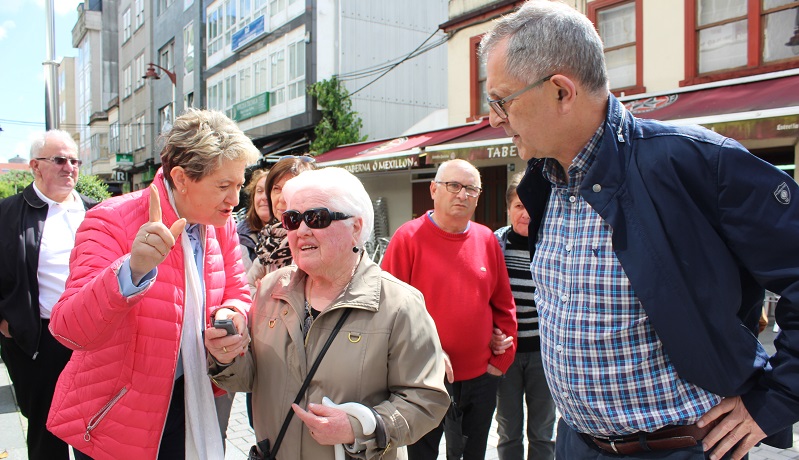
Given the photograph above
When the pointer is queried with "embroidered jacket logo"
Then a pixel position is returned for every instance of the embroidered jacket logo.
(783, 194)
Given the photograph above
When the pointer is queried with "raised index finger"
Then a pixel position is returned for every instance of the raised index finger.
(155, 204)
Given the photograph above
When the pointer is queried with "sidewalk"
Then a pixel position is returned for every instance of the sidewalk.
(240, 436)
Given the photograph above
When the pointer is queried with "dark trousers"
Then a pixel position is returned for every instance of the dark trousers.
(572, 445)
(466, 424)
(173, 441)
(34, 383)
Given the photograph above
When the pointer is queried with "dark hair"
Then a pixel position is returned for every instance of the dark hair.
(253, 220)
(287, 166)
(510, 192)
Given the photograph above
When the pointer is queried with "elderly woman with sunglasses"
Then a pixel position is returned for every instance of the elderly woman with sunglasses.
(149, 272)
(386, 358)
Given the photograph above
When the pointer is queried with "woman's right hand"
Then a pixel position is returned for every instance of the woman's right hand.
(153, 241)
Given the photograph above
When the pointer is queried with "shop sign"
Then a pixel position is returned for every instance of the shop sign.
(248, 33)
(388, 164)
(486, 152)
(124, 158)
(251, 107)
(764, 128)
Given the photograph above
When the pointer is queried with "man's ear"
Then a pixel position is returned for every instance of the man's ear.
(566, 90)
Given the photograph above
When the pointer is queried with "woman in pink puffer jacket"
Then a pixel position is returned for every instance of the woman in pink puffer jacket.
(141, 290)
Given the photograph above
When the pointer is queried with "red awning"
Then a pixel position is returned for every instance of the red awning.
(716, 102)
(485, 143)
(401, 146)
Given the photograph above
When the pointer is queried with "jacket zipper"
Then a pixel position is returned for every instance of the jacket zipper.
(621, 126)
(100, 415)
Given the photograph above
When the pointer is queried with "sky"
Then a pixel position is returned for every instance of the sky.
(23, 26)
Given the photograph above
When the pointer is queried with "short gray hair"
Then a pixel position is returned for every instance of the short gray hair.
(463, 163)
(200, 139)
(344, 192)
(41, 138)
(548, 37)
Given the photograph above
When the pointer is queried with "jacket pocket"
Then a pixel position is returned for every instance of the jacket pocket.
(100, 415)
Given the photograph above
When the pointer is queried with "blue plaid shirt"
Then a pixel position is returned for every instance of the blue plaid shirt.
(604, 362)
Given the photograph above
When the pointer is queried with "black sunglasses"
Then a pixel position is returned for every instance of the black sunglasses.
(61, 161)
(313, 218)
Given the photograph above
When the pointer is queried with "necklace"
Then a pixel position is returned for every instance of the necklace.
(306, 324)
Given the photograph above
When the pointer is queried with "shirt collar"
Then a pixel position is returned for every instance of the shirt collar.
(76, 203)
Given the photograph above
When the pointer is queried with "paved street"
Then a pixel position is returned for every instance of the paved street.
(240, 436)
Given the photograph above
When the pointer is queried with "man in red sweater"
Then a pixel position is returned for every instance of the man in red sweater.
(459, 267)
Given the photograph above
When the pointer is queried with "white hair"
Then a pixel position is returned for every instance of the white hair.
(343, 192)
(39, 139)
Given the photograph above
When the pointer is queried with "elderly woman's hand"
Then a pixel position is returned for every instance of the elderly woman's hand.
(153, 241)
(222, 346)
(328, 426)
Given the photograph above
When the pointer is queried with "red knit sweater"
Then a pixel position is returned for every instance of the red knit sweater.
(465, 286)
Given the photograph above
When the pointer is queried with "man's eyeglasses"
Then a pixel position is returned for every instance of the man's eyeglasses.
(455, 187)
(499, 104)
(303, 158)
(313, 218)
(61, 161)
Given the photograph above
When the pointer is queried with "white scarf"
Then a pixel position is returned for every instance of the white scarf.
(202, 427)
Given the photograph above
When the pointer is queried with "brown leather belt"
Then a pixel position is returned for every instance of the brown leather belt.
(667, 438)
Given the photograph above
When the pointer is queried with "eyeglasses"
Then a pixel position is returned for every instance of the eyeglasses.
(61, 161)
(303, 158)
(313, 218)
(455, 187)
(499, 104)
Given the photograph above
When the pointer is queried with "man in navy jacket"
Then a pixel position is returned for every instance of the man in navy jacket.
(36, 237)
(653, 246)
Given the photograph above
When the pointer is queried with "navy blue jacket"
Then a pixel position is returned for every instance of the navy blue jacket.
(22, 217)
(701, 227)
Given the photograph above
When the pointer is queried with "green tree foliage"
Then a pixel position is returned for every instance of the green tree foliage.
(15, 181)
(340, 124)
(92, 187)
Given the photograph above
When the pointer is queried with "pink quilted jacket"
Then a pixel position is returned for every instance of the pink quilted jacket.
(112, 398)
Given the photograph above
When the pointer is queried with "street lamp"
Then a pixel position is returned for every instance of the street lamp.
(151, 73)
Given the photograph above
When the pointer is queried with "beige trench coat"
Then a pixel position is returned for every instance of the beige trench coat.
(387, 355)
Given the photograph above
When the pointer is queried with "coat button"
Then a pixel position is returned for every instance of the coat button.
(596, 188)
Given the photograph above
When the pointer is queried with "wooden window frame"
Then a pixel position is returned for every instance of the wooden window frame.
(474, 75)
(754, 58)
(592, 10)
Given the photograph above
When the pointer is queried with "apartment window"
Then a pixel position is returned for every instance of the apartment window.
(478, 106)
(261, 76)
(620, 25)
(113, 138)
(245, 83)
(259, 7)
(214, 31)
(166, 57)
(165, 118)
(163, 5)
(277, 63)
(139, 66)
(127, 78)
(141, 132)
(188, 48)
(139, 13)
(276, 7)
(188, 100)
(230, 93)
(739, 38)
(215, 96)
(296, 76)
(126, 25)
(230, 19)
(127, 138)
